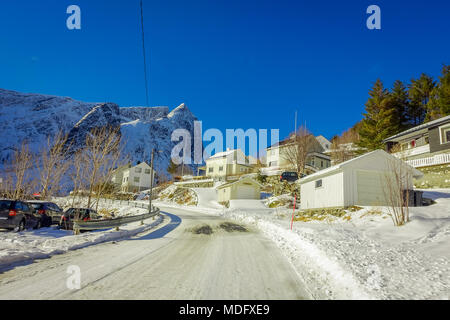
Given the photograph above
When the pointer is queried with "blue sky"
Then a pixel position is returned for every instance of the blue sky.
(259, 60)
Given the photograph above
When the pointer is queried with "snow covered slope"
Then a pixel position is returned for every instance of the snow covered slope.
(35, 117)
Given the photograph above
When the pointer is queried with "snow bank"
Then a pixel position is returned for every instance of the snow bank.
(365, 257)
(45, 242)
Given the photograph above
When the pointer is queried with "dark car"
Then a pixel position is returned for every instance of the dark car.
(18, 215)
(49, 211)
(289, 176)
(73, 214)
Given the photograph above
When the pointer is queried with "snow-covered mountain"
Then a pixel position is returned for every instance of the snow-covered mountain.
(35, 117)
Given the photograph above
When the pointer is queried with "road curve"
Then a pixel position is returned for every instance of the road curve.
(171, 262)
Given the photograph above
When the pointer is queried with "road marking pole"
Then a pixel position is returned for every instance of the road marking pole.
(293, 212)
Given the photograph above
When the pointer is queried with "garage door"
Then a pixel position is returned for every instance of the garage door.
(369, 188)
(245, 192)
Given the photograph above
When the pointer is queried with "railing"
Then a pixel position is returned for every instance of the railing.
(112, 223)
(413, 151)
(430, 161)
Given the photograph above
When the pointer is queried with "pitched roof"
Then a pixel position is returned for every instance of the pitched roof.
(338, 167)
(420, 127)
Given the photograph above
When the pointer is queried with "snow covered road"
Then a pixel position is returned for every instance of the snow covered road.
(181, 259)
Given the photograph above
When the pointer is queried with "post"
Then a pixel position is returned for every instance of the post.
(151, 182)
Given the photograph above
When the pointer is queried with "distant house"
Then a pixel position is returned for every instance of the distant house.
(133, 179)
(117, 177)
(359, 181)
(424, 145)
(325, 143)
(277, 159)
(244, 188)
(231, 163)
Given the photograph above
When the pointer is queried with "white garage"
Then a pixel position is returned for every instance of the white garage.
(360, 181)
(244, 188)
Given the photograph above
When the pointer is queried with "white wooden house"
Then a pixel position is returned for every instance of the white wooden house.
(134, 179)
(359, 181)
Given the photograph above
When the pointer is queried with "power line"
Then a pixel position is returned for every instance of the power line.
(143, 50)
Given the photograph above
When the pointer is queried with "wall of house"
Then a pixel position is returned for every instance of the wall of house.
(223, 194)
(214, 165)
(330, 194)
(435, 140)
(128, 181)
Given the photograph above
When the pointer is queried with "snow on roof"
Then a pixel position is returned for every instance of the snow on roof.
(239, 180)
(222, 154)
(339, 166)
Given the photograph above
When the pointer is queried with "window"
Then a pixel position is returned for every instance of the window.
(445, 134)
(138, 170)
(136, 179)
(321, 163)
(211, 169)
(221, 168)
(318, 183)
(147, 171)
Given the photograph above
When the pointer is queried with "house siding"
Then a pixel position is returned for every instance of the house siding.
(435, 141)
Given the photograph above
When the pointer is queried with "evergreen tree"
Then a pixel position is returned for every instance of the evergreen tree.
(439, 103)
(419, 95)
(400, 102)
(172, 168)
(379, 121)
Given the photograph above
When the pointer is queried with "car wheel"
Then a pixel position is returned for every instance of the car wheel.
(38, 225)
(20, 227)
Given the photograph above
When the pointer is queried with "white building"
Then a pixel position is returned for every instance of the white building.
(277, 159)
(230, 163)
(359, 181)
(135, 179)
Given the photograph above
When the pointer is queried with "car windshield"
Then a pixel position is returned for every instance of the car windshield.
(37, 205)
(5, 204)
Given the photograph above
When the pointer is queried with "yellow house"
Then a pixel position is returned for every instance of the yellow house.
(245, 188)
(229, 163)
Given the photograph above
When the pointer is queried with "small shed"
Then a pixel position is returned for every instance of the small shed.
(244, 188)
(365, 180)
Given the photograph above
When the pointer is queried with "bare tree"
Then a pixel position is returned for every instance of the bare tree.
(101, 155)
(52, 164)
(298, 147)
(397, 187)
(21, 182)
(77, 175)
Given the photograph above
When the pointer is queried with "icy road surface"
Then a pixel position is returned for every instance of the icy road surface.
(181, 259)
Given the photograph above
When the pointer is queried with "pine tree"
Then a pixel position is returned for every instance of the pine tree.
(379, 121)
(172, 168)
(419, 94)
(439, 103)
(400, 102)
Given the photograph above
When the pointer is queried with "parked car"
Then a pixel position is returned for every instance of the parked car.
(18, 215)
(50, 212)
(72, 214)
(288, 176)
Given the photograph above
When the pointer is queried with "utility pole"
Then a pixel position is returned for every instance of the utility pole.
(151, 182)
(182, 168)
(295, 123)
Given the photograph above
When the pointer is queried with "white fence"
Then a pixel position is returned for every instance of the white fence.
(430, 161)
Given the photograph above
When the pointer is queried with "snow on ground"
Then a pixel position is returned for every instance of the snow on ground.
(360, 255)
(45, 242)
(119, 208)
(366, 256)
